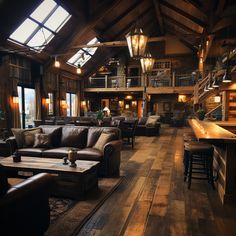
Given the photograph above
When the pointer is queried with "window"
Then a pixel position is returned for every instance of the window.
(26, 106)
(84, 54)
(71, 104)
(51, 104)
(41, 26)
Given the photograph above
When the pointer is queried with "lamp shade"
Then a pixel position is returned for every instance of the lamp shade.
(15, 97)
(137, 42)
(226, 77)
(215, 83)
(147, 63)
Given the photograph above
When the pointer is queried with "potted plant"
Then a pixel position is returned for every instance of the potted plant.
(100, 117)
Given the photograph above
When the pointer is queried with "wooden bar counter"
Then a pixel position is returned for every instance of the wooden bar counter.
(224, 143)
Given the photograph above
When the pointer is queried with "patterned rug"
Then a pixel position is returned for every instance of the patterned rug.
(68, 216)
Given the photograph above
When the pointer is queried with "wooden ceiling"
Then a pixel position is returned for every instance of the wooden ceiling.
(190, 21)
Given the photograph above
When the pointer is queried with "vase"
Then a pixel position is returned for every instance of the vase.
(72, 157)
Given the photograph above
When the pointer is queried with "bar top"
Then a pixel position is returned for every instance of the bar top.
(210, 131)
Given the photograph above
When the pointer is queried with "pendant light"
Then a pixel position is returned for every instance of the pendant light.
(137, 42)
(147, 63)
(79, 70)
(57, 64)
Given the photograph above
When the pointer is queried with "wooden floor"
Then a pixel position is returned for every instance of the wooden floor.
(154, 200)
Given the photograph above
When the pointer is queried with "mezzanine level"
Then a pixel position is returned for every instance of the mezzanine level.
(149, 84)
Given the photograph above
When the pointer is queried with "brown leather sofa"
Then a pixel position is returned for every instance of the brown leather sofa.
(81, 138)
(24, 208)
(142, 129)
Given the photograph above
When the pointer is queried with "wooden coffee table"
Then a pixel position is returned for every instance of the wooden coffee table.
(72, 182)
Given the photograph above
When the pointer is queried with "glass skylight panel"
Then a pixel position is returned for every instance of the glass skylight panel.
(42, 37)
(82, 56)
(57, 19)
(41, 26)
(43, 10)
(21, 34)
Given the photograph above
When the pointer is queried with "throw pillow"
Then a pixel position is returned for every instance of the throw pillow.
(29, 135)
(18, 134)
(151, 121)
(42, 140)
(102, 140)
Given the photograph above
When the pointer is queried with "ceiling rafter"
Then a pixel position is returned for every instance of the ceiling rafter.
(184, 27)
(80, 31)
(159, 16)
(131, 8)
(185, 14)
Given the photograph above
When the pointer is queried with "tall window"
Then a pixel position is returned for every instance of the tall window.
(71, 104)
(26, 106)
(51, 104)
(41, 26)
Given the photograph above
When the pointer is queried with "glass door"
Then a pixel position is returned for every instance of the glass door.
(26, 106)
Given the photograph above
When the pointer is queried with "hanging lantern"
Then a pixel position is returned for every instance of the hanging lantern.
(147, 63)
(136, 41)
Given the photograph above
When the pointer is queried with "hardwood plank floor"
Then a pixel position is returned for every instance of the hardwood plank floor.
(154, 200)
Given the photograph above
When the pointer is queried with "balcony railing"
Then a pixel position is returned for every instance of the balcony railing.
(139, 81)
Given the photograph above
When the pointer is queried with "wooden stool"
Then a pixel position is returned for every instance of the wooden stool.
(198, 159)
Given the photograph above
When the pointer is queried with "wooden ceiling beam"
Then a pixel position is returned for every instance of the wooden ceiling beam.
(132, 8)
(184, 27)
(185, 14)
(106, 7)
(159, 15)
(223, 23)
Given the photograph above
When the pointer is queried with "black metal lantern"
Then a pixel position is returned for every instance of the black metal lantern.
(136, 41)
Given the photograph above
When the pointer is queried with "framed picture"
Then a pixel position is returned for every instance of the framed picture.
(166, 106)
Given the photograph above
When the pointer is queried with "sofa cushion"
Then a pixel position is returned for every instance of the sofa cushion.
(90, 154)
(29, 136)
(35, 152)
(93, 135)
(59, 152)
(74, 137)
(151, 121)
(18, 134)
(55, 132)
(103, 139)
(43, 140)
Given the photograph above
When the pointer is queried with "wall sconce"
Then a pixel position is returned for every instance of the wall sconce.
(201, 60)
(79, 70)
(121, 103)
(126, 106)
(63, 102)
(83, 103)
(182, 98)
(134, 103)
(217, 98)
(15, 98)
(57, 64)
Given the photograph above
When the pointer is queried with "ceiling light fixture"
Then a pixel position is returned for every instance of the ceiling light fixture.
(57, 64)
(147, 63)
(79, 70)
(137, 42)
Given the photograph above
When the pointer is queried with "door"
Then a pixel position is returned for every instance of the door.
(26, 106)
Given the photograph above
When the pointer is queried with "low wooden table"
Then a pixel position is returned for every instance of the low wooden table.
(72, 182)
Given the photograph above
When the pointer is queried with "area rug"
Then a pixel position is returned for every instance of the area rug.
(68, 216)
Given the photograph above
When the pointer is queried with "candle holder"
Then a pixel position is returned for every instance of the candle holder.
(72, 157)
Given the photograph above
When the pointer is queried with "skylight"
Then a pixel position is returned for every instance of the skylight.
(84, 54)
(41, 26)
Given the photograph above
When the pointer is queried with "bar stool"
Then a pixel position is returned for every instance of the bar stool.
(198, 159)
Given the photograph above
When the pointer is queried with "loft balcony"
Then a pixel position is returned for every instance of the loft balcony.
(183, 83)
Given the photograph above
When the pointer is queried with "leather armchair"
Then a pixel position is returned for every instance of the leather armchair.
(24, 208)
